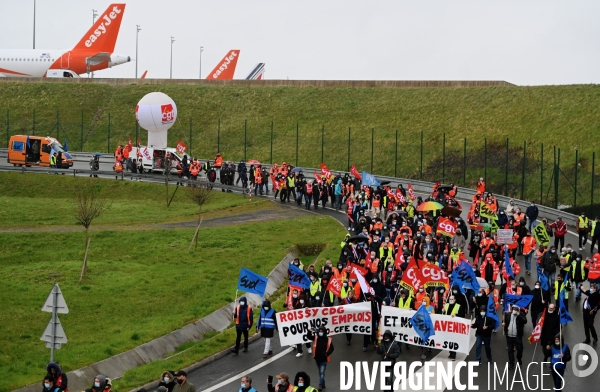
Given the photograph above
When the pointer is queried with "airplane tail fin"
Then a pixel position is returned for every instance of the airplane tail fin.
(144, 74)
(102, 37)
(257, 72)
(226, 67)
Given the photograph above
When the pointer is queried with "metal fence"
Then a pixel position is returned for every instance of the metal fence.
(529, 170)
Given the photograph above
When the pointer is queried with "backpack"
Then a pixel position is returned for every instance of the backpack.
(309, 189)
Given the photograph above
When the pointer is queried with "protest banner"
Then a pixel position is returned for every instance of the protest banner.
(451, 333)
(181, 147)
(411, 193)
(294, 325)
(297, 277)
(486, 211)
(335, 286)
(541, 235)
(505, 236)
(446, 227)
(429, 275)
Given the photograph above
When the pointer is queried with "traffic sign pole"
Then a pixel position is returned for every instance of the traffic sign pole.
(54, 334)
(54, 316)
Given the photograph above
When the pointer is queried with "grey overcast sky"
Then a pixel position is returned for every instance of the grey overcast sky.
(520, 41)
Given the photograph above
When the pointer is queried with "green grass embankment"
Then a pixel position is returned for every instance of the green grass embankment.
(140, 284)
(562, 116)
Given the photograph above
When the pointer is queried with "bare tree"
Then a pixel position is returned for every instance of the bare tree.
(200, 193)
(87, 207)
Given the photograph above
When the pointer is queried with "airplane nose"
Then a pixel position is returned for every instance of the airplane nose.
(128, 59)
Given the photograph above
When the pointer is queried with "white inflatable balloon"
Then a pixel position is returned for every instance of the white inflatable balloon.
(156, 112)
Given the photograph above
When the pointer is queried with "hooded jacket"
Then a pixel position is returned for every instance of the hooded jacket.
(306, 387)
(389, 350)
(104, 386)
(58, 377)
(171, 384)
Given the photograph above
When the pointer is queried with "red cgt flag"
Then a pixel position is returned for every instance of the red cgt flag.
(536, 334)
(355, 172)
(318, 178)
(335, 286)
(411, 193)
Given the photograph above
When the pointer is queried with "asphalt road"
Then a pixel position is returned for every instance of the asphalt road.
(225, 374)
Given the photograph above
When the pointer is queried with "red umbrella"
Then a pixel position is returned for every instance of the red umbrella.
(253, 162)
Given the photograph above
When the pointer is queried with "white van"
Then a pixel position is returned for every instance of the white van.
(61, 73)
(153, 159)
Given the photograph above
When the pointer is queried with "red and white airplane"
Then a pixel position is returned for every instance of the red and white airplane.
(94, 52)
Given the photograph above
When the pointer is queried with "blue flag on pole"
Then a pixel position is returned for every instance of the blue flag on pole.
(421, 322)
(522, 301)
(369, 180)
(463, 275)
(542, 278)
(298, 277)
(491, 311)
(507, 265)
(565, 317)
(252, 282)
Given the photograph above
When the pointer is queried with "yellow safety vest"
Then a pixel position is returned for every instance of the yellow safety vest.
(314, 287)
(557, 290)
(404, 303)
(454, 310)
(583, 223)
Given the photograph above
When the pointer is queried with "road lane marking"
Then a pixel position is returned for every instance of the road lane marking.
(252, 369)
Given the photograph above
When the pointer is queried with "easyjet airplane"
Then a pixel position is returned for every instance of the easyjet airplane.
(226, 67)
(93, 53)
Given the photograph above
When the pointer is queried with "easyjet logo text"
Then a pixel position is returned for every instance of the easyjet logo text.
(107, 20)
(224, 64)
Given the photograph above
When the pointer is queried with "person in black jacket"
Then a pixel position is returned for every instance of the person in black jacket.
(550, 328)
(58, 377)
(168, 380)
(513, 329)
(484, 326)
(322, 350)
(540, 301)
(590, 308)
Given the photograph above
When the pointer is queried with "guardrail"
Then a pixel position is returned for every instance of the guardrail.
(421, 187)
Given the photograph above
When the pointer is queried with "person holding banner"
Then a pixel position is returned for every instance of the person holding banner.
(550, 328)
(453, 309)
(243, 322)
(301, 303)
(267, 323)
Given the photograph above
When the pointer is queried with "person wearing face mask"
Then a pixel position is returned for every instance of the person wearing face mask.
(458, 241)
(58, 377)
(322, 349)
(438, 300)
(483, 332)
(579, 273)
(550, 262)
(48, 384)
(452, 308)
(389, 350)
(481, 299)
(167, 380)
(540, 301)
(405, 301)
(243, 317)
(561, 354)
(267, 323)
(302, 382)
(524, 288)
(513, 329)
(282, 385)
(532, 213)
(101, 384)
(419, 295)
(550, 328)
(558, 287)
(590, 308)
(529, 244)
(489, 269)
(582, 229)
(246, 385)
(431, 310)
(302, 304)
(594, 233)
(560, 229)
(461, 299)
(594, 269)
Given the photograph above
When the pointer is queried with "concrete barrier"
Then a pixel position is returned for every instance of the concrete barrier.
(219, 320)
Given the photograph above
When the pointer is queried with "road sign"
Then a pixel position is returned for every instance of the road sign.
(58, 332)
(61, 305)
(54, 334)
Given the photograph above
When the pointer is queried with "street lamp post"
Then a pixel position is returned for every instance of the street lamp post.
(136, 49)
(94, 15)
(200, 72)
(171, 62)
(33, 24)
